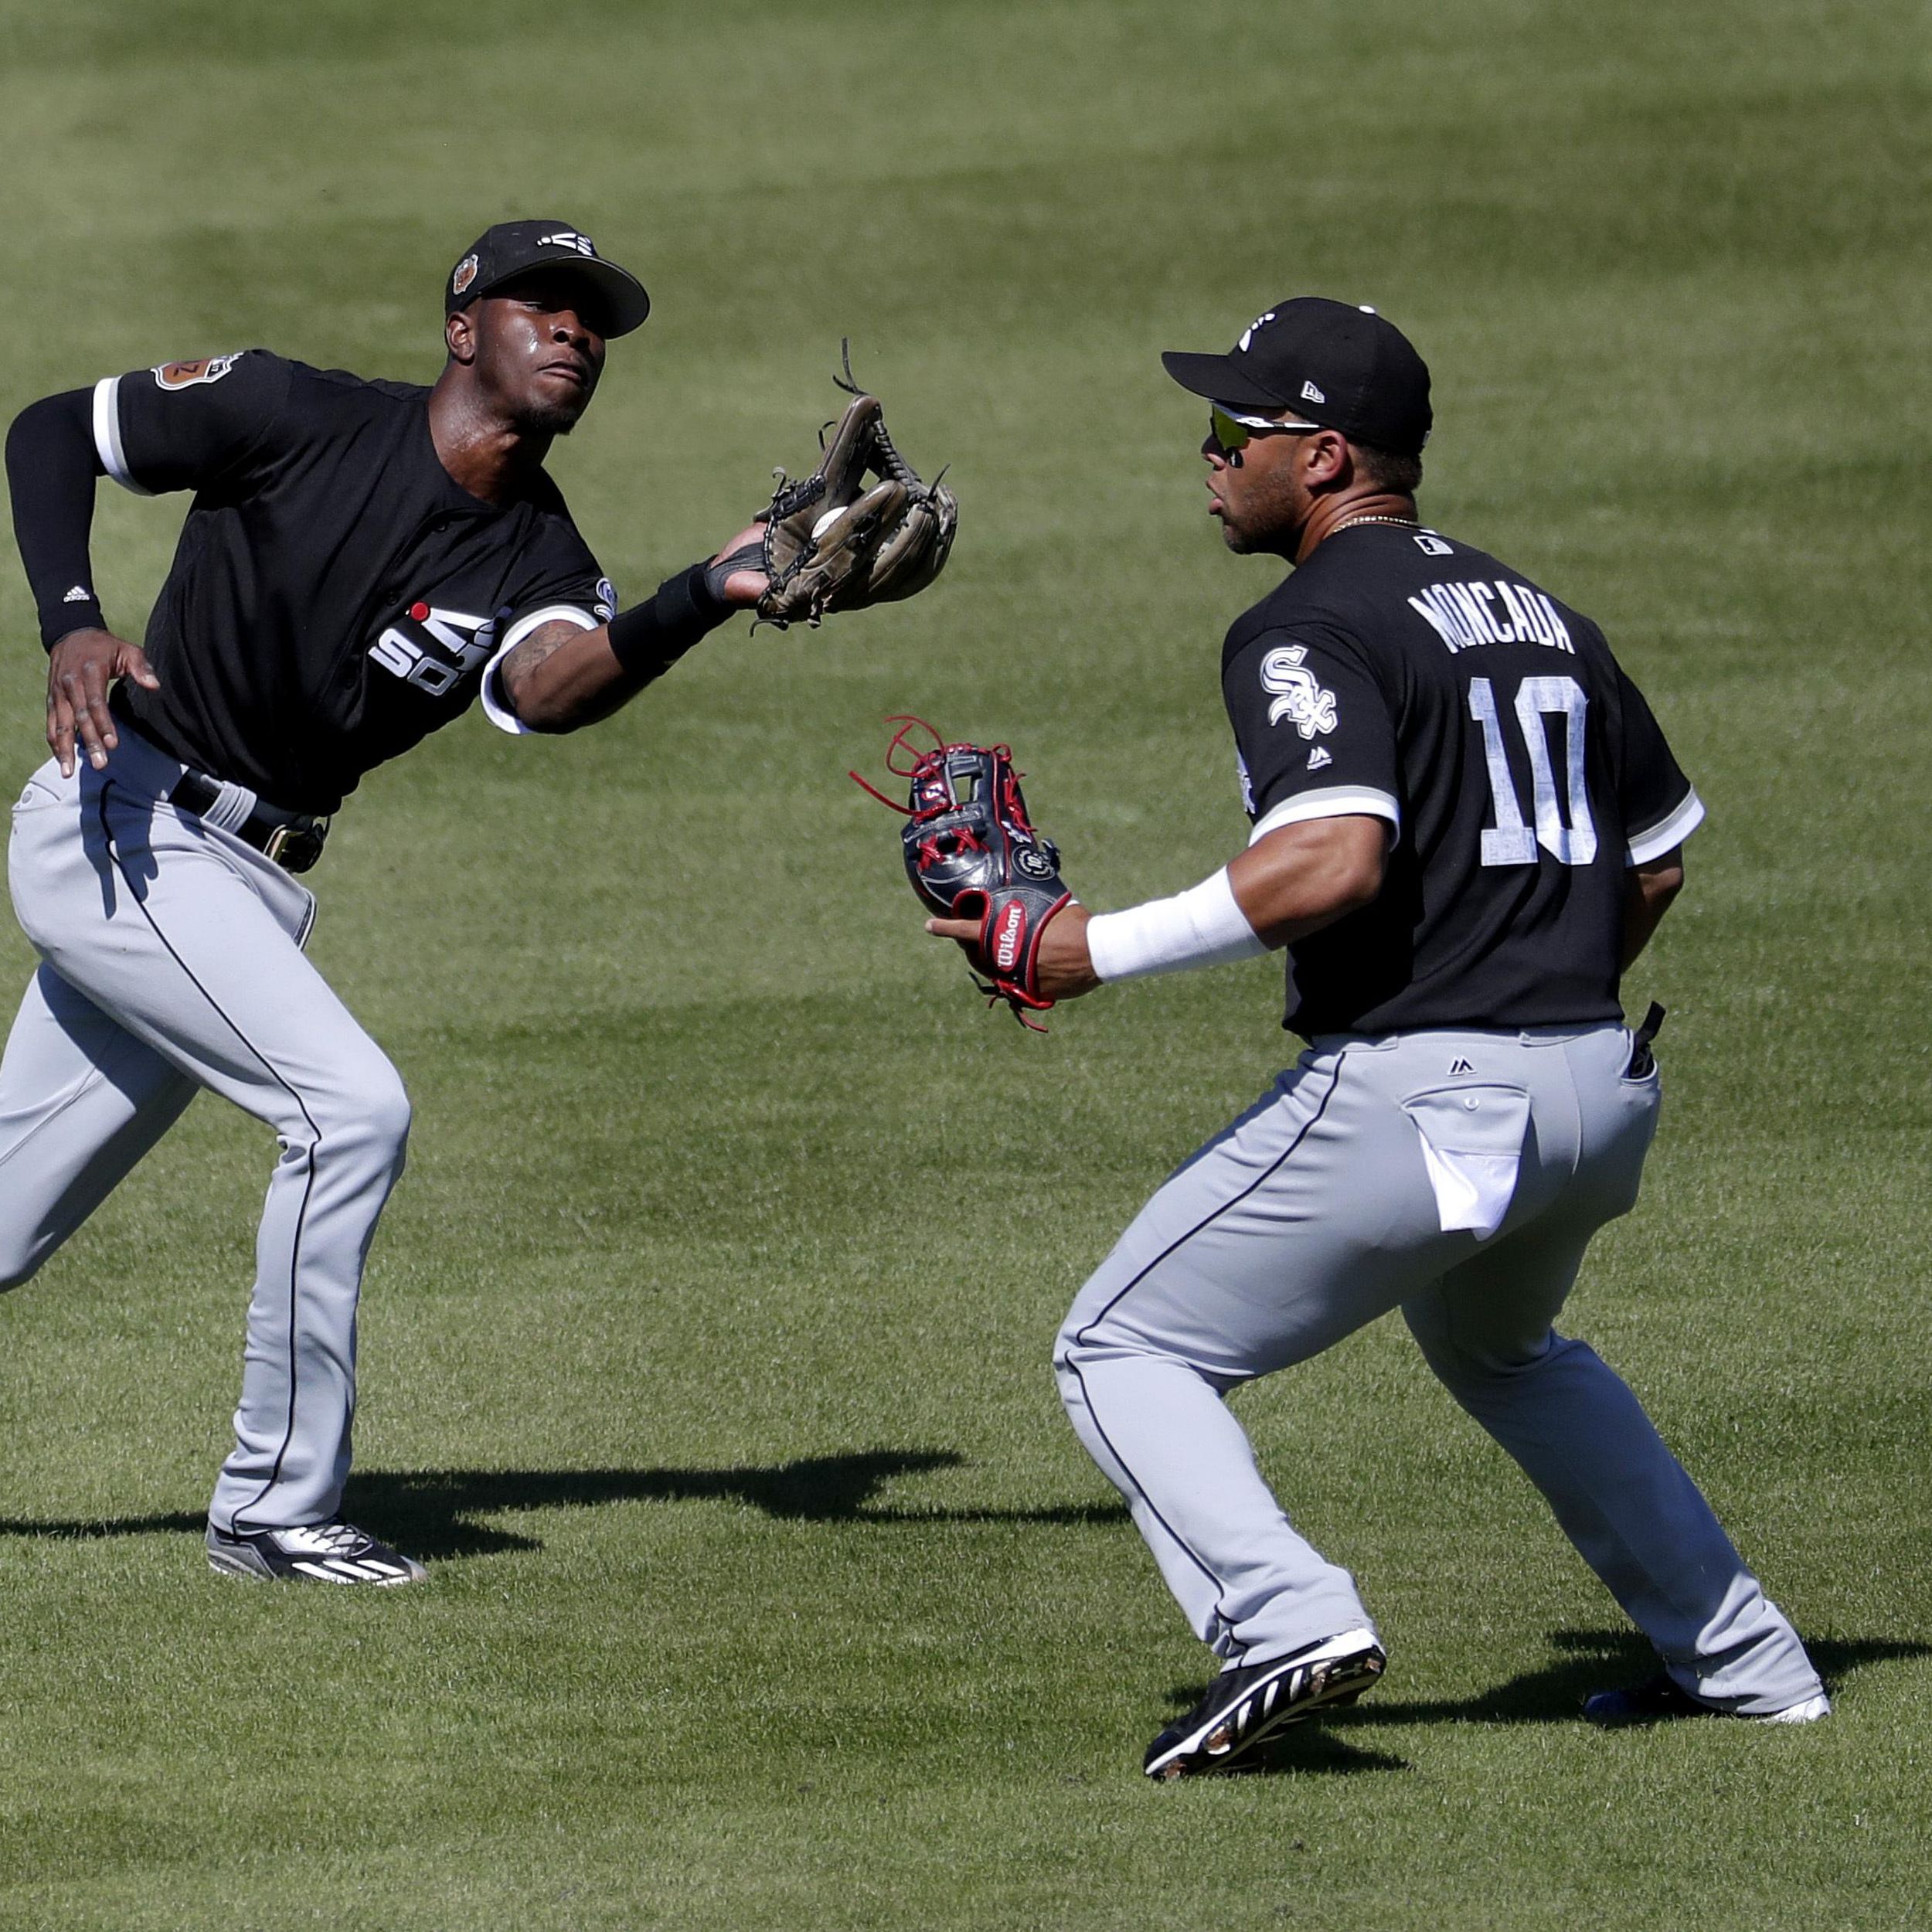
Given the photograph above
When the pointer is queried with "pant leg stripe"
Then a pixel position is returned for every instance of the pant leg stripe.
(1180, 1241)
(315, 1145)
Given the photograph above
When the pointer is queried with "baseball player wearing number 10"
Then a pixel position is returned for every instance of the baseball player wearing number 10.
(1466, 825)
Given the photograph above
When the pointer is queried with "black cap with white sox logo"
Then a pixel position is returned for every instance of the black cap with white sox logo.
(514, 248)
(1333, 363)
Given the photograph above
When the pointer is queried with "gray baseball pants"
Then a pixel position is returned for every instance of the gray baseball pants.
(1458, 1176)
(172, 959)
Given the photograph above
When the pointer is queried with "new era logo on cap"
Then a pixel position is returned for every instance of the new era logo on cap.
(1311, 394)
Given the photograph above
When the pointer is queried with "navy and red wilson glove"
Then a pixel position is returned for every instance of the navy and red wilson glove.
(971, 852)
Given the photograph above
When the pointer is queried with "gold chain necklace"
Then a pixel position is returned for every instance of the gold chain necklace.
(1401, 522)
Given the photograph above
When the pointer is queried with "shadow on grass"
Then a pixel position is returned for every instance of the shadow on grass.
(1315, 1750)
(433, 1513)
(1596, 1660)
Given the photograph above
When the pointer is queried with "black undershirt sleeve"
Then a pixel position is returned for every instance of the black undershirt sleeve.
(650, 638)
(51, 468)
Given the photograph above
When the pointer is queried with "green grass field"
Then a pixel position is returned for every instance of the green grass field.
(705, 1343)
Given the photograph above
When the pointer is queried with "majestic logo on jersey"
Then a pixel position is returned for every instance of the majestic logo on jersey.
(435, 649)
(209, 369)
(1466, 614)
(1298, 696)
(465, 274)
(569, 238)
(1248, 334)
(1321, 758)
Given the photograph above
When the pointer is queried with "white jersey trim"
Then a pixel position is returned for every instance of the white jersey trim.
(499, 713)
(1653, 844)
(108, 445)
(1332, 801)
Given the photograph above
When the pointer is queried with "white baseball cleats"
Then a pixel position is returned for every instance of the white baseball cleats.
(323, 1552)
(1245, 1706)
(1660, 1698)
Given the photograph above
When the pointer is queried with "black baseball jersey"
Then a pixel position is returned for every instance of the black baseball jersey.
(336, 595)
(1401, 675)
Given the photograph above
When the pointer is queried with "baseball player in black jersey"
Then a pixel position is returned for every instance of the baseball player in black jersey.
(362, 560)
(1466, 825)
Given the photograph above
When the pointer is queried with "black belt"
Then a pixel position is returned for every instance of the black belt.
(292, 839)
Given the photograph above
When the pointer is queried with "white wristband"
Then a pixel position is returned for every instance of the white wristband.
(1203, 927)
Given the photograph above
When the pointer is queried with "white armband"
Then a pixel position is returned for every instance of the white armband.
(1202, 926)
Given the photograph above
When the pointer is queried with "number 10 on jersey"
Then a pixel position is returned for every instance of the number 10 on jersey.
(1510, 842)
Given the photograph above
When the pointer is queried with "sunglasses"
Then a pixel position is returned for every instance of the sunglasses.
(1231, 428)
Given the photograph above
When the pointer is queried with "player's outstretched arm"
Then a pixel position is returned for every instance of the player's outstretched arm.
(1300, 878)
(560, 678)
(1293, 881)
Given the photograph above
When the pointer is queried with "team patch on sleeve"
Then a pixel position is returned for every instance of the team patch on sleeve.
(1296, 693)
(207, 368)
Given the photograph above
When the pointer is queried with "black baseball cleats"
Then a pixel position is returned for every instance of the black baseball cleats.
(1245, 1706)
(1659, 1698)
(323, 1552)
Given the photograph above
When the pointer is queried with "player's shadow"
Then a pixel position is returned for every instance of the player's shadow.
(439, 1513)
(1593, 1660)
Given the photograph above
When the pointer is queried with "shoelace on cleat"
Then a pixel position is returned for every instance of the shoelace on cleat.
(325, 1540)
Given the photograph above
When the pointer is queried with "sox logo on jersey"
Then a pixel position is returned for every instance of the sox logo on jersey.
(1298, 694)
(395, 651)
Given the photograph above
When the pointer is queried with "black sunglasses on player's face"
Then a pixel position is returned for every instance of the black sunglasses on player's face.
(1232, 428)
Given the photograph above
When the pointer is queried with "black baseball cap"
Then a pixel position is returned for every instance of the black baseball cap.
(1331, 363)
(514, 248)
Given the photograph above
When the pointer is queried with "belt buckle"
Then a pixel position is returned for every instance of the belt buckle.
(295, 847)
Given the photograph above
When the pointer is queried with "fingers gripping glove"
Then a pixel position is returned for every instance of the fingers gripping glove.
(971, 852)
(834, 542)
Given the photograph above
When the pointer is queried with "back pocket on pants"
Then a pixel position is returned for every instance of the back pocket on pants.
(1472, 1143)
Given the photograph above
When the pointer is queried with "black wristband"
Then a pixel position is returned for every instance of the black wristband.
(650, 638)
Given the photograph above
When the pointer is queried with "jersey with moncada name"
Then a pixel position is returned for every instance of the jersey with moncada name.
(1403, 675)
(336, 595)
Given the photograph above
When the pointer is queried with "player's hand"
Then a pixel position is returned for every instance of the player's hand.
(1062, 966)
(737, 573)
(80, 669)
